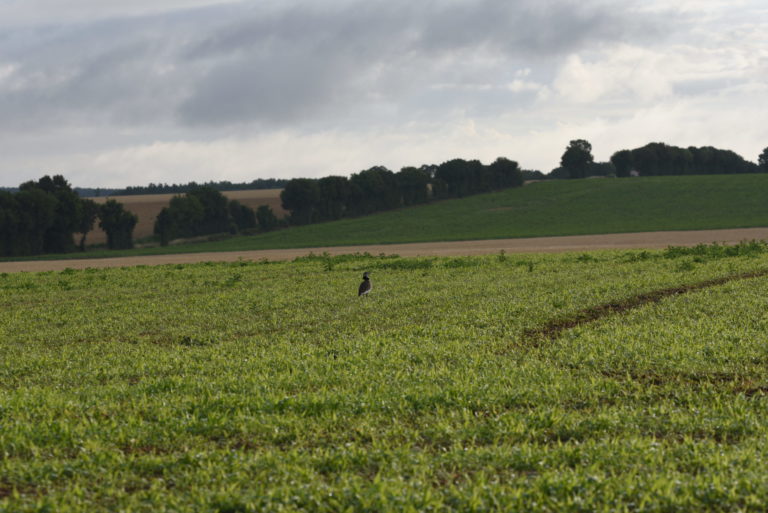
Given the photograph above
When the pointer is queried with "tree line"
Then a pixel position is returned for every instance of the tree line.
(655, 159)
(377, 189)
(43, 216)
(224, 185)
(205, 211)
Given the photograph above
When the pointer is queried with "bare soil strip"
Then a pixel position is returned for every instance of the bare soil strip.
(643, 240)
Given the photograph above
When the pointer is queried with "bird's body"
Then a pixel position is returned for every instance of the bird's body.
(365, 286)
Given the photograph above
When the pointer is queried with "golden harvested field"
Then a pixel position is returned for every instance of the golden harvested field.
(147, 206)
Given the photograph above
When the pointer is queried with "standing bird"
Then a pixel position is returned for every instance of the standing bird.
(366, 286)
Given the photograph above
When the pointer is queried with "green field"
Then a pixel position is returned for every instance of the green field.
(257, 386)
(552, 208)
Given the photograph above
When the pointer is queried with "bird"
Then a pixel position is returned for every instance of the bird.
(365, 286)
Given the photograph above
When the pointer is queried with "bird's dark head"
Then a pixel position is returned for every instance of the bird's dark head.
(365, 275)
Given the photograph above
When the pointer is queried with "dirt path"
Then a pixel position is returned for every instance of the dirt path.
(644, 240)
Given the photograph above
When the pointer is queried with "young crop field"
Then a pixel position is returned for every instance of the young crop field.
(604, 381)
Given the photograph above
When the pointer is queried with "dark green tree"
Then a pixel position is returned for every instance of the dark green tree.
(762, 160)
(118, 223)
(59, 235)
(164, 227)
(89, 211)
(9, 223)
(243, 217)
(622, 161)
(216, 215)
(460, 177)
(301, 197)
(601, 169)
(414, 185)
(506, 173)
(266, 218)
(187, 214)
(662, 159)
(559, 173)
(373, 190)
(532, 174)
(334, 196)
(36, 213)
(577, 158)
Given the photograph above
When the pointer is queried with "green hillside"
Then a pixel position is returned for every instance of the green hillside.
(546, 209)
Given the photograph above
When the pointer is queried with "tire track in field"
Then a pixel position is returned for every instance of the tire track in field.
(743, 385)
(552, 330)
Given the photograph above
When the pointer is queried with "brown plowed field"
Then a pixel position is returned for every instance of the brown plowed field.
(645, 240)
(147, 206)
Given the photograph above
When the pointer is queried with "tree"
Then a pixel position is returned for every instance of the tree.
(89, 211)
(202, 211)
(414, 185)
(334, 196)
(762, 160)
(216, 215)
(577, 158)
(36, 213)
(506, 173)
(266, 218)
(59, 235)
(622, 161)
(243, 217)
(559, 173)
(459, 176)
(532, 174)
(301, 197)
(164, 227)
(662, 159)
(118, 223)
(9, 221)
(601, 169)
(373, 190)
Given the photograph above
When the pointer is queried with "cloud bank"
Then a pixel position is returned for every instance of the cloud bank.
(172, 91)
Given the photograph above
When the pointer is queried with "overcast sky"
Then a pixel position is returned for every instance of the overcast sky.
(116, 93)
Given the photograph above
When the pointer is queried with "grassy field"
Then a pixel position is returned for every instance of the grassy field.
(273, 387)
(551, 209)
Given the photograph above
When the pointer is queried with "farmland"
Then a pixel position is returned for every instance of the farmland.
(461, 384)
(551, 208)
(545, 209)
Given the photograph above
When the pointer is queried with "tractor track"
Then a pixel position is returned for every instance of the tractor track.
(553, 329)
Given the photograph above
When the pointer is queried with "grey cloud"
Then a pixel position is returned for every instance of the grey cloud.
(273, 63)
(115, 72)
(285, 65)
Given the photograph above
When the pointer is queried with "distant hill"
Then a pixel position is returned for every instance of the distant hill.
(548, 208)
